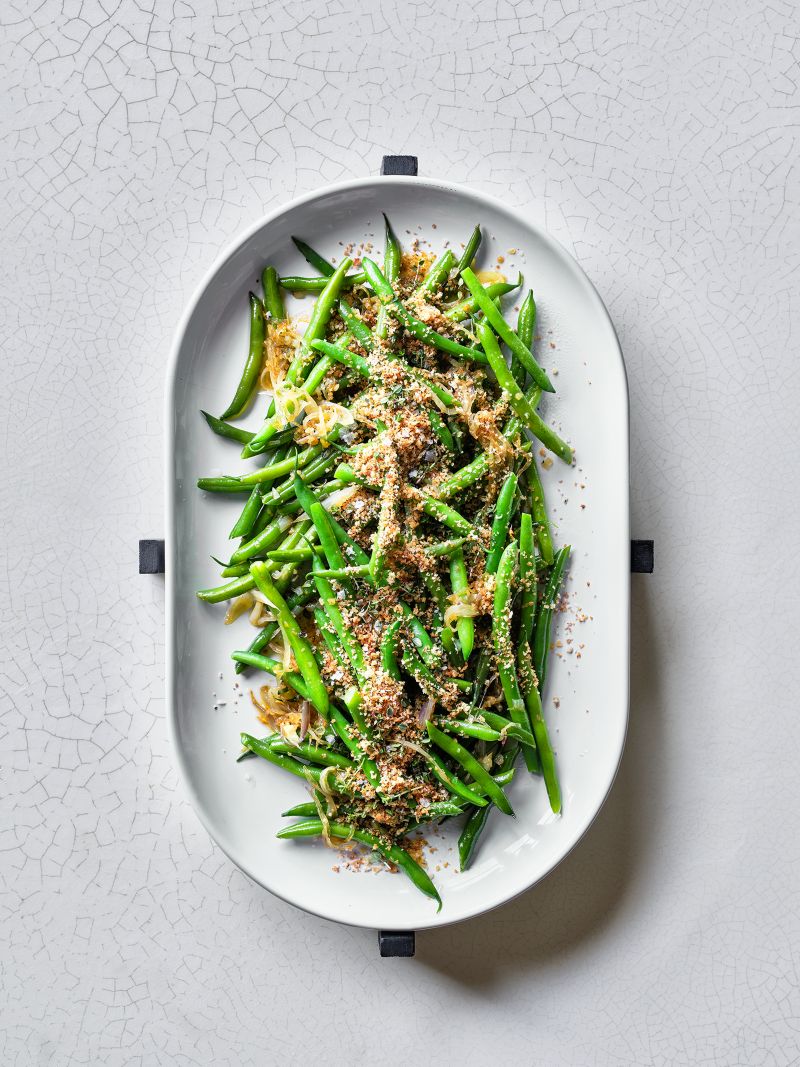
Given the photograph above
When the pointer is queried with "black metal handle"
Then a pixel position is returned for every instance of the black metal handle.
(642, 557)
(396, 943)
(151, 557)
(405, 165)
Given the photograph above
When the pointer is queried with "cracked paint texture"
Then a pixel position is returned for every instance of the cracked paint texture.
(657, 141)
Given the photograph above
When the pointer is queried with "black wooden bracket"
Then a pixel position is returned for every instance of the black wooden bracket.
(642, 557)
(405, 165)
(396, 943)
(151, 557)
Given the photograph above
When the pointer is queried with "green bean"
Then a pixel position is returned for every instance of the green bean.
(442, 512)
(393, 853)
(452, 783)
(469, 835)
(463, 478)
(443, 809)
(541, 640)
(246, 521)
(459, 581)
(425, 678)
(343, 731)
(347, 639)
(445, 548)
(539, 511)
(331, 639)
(470, 250)
(225, 429)
(505, 776)
(307, 497)
(266, 634)
(533, 703)
(504, 650)
(481, 674)
(436, 588)
(273, 301)
(312, 753)
(499, 324)
(259, 642)
(263, 748)
(413, 325)
(465, 758)
(441, 429)
(504, 510)
(343, 355)
(519, 403)
(282, 494)
(320, 316)
(227, 591)
(224, 484)
(466, 728)
(302, 811)
(527, 577)
(292, 555)
(526, 323)
(391, 272)
(356, 325)
(420, 638)
(344, 573)
(438, 273)
(252, 368)
(295, 283)
(327, 537)
(235, 571)
(314, 259)
(263, 541)
(291, 463)
(508, 728)
(389, 648)
(303, 652)
(274, 667)
(436, 509)
(464, 308)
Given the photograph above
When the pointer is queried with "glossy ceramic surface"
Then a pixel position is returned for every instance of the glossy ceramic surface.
(586, 700)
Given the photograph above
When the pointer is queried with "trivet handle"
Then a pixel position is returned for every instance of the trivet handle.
(404, 165)
(396, 942)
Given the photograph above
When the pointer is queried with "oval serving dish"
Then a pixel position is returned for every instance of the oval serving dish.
(241, 804)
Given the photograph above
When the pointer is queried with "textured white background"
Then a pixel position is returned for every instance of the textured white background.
(657, 141)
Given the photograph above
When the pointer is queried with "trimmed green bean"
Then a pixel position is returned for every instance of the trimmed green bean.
(470, 250)
(519, 402)
(252, 367)
(478, 772)
(250, 512)
(504, 511)
(527, 577)
(313, 258)
(541, 640)
(413, 325)
(459, 581)
(504, 649)
(468, 838)
(225, 429)
(539, 512)
(393, 853)
(499, 324)
(303, 652)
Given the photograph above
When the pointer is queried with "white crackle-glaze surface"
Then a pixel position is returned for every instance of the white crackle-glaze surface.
(657, 142)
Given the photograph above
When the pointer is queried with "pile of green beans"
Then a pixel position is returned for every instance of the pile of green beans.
(470, 687)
